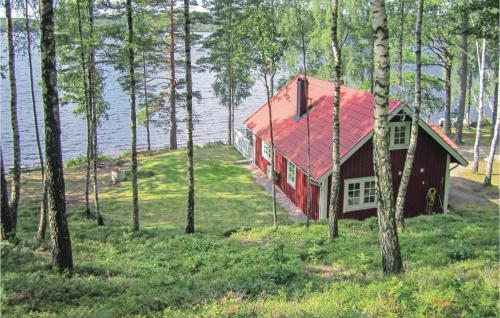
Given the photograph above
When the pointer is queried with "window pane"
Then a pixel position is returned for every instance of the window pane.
(291, 173)
(354, 194)
(399, 136)
(369, 192)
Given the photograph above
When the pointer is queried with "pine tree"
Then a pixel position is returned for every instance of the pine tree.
(61, 242)
(84, 70)
(173, 82)
(133, 116)
(227, 58)
(92, 79)
(464, 48)
(303, 47)
(82, 79)
(7, 229)
(189, 119)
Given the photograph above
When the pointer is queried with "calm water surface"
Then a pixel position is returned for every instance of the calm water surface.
(114, 133)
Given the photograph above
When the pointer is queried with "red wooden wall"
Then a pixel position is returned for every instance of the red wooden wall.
(429, 155)
(297, 195)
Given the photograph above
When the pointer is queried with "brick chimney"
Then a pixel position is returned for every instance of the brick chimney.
(301, 98)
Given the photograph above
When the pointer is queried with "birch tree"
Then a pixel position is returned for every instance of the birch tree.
(494, 142)
(61, 242)
(16, 144)
(266, 48)
(389, 243)
(412, 147)
(481, 60)
(334, 198)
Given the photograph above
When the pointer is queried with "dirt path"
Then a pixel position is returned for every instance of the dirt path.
(294, 214)
(466, 189)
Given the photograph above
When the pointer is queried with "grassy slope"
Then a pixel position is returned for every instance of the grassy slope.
(451, 262)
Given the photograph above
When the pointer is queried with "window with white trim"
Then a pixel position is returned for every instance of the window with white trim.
(291, 173)
(359, 194)
(400, 135)
(266, 151)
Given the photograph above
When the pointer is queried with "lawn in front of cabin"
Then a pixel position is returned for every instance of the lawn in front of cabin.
(451, 261)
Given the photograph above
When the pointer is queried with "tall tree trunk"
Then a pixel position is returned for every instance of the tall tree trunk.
(231, 76)
(389, 243)
(94, 119)
(229, 108)
(496, 136)
(42, 225)
(447, 99)
(300, 23)
(173, 119)
(400, 47)
(7, 229)
(308, 127)
(495, 103)
(16, 179)
(469, 97)
(54, 175)
(133, 115)
(232, 111)
(189, 119)
(412, 148)
(273, 179)
(372, 69)
(482, 75)
(145, 77)
(87, 109)
(464, 47)
(334, 198)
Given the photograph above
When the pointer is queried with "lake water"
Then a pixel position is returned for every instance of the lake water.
(114, 133)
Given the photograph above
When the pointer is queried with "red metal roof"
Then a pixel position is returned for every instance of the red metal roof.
(290, 136)
(442, 135)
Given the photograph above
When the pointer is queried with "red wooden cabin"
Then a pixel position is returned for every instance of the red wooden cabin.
(435, 151)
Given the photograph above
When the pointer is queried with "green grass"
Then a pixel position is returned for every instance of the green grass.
(226, 195)
(74, 162)
(469, 136)
(451, 262)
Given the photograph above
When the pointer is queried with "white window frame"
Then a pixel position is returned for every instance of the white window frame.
(361, 205)
(265, 154)
(289, 166)
(407, 126)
